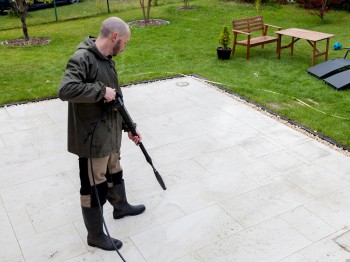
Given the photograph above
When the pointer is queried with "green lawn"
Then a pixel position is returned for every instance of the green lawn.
(188, 45)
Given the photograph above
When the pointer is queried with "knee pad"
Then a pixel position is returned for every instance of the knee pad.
(116, 178)
(102, 190)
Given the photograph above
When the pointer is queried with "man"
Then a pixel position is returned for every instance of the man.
(90, 84)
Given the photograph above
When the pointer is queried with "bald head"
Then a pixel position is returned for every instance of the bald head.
(114, 24)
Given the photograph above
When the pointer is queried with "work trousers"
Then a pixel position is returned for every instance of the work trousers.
(103, 169)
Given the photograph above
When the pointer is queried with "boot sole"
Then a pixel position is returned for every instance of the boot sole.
(106, 249)
(134, 214)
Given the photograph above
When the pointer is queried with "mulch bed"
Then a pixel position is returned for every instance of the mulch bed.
(186, 8)
(152, 22)
(32, 41)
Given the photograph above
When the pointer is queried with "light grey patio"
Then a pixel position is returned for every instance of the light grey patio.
(242, 186)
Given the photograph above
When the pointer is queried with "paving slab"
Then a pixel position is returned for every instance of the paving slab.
(242, 185)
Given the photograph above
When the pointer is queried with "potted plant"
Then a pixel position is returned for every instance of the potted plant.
(223, 51)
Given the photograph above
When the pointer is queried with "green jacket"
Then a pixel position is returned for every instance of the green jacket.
(83, 85)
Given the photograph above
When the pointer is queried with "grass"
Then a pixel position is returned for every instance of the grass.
(188, 45)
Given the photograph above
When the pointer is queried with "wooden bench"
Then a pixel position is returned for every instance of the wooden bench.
(245, 26)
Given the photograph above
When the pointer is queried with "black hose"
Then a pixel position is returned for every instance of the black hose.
(95, 187)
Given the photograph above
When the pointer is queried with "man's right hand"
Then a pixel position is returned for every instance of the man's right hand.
(110, 94)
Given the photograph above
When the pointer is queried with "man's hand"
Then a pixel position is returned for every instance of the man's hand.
(136, 139)
(110, 94)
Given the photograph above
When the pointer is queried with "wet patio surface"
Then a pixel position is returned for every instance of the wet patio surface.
(242, 186)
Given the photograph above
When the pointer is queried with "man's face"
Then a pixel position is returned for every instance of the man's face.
(120, 45)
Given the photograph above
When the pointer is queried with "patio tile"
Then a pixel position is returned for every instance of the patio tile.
(58, 244)
(270, 241)
(285, 136)
(262, 172)
(239, 110)
(311, 150)
(158, 212)
(41, 204)
(45, 139)
(226, 159)
(296, 257)
(2, 144)
(23, 123)
(224, 121)
(179, 132)
(128, 251)
(32, 192)
(21, 222)
(33, 109)
(195, 114)
(317, 181)
(337, 163)
(258, 146)
(183, 172)
(17, 155)
(153, 123)
(260, 121)
(265, 202)
(9, 248)
(326, 249)
(333, 208)
(177, 238)
(193, 257)
(15, 174)
(4, 115)
(308, 224)
(16, 259)
(209, 191)
(185, 149)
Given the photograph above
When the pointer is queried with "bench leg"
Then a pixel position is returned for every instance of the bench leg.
(233, 49)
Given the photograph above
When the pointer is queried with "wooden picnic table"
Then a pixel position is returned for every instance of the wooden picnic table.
(312, 37)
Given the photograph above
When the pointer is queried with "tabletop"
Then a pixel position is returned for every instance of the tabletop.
(304, 34)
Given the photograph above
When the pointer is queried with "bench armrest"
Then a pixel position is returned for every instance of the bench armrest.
(240, 32)
(277, 27)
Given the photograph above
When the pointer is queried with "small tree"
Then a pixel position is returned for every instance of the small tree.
(257, 5)
(319, 7)
(21, 7)
(186, 3)
(146, 11)
(225, 37)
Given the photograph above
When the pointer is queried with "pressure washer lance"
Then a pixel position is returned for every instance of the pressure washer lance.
(119, 105)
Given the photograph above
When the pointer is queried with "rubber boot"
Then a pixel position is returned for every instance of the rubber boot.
(117, 197)
(94, 225)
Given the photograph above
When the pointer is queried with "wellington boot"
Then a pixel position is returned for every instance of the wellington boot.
(94, 225)
(117, 197)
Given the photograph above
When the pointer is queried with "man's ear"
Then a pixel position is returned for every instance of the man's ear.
(114, 36)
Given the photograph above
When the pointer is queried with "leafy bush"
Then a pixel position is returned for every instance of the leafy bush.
(319, 7)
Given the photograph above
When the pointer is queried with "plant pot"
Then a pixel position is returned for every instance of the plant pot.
(223, 53)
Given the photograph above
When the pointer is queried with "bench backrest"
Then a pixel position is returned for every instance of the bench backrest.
(249, 24)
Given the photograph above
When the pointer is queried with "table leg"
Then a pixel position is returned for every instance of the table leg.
(327, 47)
(279, 46)
(292, 47)
(313, 53)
